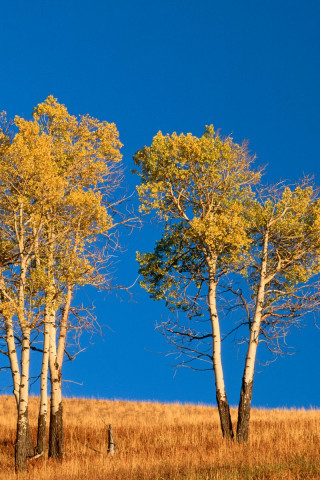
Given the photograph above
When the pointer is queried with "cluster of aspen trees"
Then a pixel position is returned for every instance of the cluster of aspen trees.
(231, 249)
(228, 243)
(58, 174)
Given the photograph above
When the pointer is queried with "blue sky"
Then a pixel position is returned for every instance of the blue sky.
(251, 68)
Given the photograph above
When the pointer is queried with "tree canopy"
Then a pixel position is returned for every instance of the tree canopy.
(228, 243)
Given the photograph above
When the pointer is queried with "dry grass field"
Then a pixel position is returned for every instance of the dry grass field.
(176, 442)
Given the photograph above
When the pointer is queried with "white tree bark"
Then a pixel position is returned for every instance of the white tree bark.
(44, 369)
(13, 359)
(43, 410)
(54, 370)
(247, 379)
(55, 362)
(64, 326)
(25, 364)
(222, 401)
(23, 447)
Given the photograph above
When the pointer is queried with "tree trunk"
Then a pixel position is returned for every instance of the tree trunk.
(43, 410)
(30, 446)
(247, 382)
(23, 447)
(224, 414)
(56, 420)
(244, 408)
(41, 435)
(244, 412)
(221, 396)
(13, 358)
(56, 433)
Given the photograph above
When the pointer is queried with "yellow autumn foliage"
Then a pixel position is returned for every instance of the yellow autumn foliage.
(56, 173)
(204, 181)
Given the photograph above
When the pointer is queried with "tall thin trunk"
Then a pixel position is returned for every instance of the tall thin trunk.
(64, 326)
(15, 373)
(221, 396)
(244, 408)
(43, 407)
(56, 420)
(43, 410)
(56, 434)
(13, 358)
(23, 449)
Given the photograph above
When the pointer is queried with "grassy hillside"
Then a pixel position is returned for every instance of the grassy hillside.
(178, 442)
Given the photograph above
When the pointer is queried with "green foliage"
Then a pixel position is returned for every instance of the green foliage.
(201, 188)
(175, 266)
(218, 222)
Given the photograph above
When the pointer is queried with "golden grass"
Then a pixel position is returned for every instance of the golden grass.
(176, 442)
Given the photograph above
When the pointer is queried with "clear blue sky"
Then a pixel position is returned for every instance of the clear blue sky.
(249, 67)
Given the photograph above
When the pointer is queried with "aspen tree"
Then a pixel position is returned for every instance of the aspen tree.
(284, 273)
(58, 175)
(86, 154)
(46, 282)
(20, 220)
(216, 230)
(199, 188)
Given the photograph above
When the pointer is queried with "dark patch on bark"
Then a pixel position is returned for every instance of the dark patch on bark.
(23, 446)
(225, 417)
(41, 435)
(30, 447)
(244, 412)
(56, 434)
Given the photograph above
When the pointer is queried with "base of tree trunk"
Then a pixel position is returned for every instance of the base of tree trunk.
(23, 446)
(30, 447)
(244, 412)
(56, 434)
(225, 417)
(42, 435)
